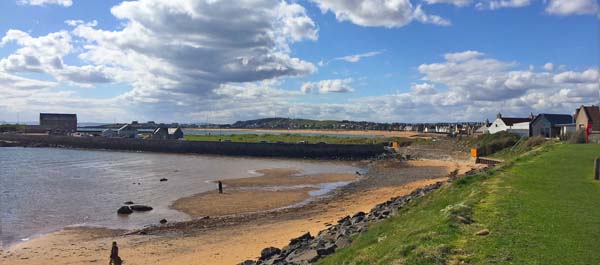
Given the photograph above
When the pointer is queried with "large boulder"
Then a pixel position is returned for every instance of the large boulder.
(269, 252)
(124, 210)
(140, 208)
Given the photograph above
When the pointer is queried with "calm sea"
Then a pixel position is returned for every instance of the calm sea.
(46, 189)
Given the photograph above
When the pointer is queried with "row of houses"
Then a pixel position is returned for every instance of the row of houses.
(585, 120)
(129, 131)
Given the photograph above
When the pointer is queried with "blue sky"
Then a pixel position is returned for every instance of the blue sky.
(381, 60)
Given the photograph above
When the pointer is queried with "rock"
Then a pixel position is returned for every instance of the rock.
(269, 252)
(163, 179)
(483, 232)
(301, 239)
(140, 208)
(163, 221)
(248, 262)
(328, 249)
(342, 242)
(128, 203)
(306, 257)
(124, 210)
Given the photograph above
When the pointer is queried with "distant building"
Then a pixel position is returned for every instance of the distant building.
(175, 133)
(109, 133)
(519, 126)
(59, 123)
(549, 125)
(160, 133)
(588, 116)
(127, 131)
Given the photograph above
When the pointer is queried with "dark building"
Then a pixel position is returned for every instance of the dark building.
(548, 125)
(61, 123)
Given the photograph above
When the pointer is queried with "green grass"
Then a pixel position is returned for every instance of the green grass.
(292, 138)
(540, 208)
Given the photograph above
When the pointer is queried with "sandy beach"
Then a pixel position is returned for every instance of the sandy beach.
(239, 236)
(346, 132)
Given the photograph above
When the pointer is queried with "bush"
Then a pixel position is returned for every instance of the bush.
(533, 142)
(492, 143)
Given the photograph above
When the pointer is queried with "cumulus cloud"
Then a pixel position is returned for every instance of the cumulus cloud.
(548, 67)
(424, 89)
(45, 54)
(572, 7)
(45, 2)
(378, 13)
(453, 2)
(328, 86)
(193, 47)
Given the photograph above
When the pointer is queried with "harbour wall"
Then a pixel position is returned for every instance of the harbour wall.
(322, 151)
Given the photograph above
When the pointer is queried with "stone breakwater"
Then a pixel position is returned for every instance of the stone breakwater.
(312, 151)
(308, 249)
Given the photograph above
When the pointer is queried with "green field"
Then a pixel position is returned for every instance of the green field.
(540, 208)
(291, 138)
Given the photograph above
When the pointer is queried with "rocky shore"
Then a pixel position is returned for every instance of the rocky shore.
(307, 249)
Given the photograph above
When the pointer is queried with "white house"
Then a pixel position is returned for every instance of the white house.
(519, 126)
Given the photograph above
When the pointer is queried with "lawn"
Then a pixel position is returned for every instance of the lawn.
(540, 208)
(292, 138)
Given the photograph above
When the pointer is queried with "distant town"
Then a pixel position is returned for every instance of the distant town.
(584, 121)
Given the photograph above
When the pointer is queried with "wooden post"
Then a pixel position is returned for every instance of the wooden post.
(597, 169)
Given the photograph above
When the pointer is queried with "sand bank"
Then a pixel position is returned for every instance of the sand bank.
(343, 132)
(233, 239)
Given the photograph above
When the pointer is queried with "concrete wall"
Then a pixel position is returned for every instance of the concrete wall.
(329, 151)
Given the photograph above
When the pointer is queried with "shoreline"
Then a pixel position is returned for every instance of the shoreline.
(232, 239)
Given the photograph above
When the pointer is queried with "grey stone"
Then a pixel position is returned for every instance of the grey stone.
(124, 210)
(269, 252)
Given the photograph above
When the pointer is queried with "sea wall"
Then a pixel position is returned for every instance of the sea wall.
(324, 151)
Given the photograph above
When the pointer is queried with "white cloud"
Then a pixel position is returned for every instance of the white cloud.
(424, 89)
(587, 76)
(453, 2)
(497, 4)
(354, 58)
(548, 67)
(378, 13)
(572, 7)
(45, 54)
(193, 47)
(45, 2)
(424, 18)
(328, 86)
(462, 56)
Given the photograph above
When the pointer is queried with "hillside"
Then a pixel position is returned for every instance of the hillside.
(540, 208)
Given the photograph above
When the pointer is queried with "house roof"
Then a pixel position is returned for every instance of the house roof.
(126, 127)
(173, 130)
(555, 119)
(512, 121)
(593, 114)
(160, 130)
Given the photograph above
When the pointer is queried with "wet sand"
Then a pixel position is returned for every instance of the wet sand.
(274, 189)
(230, 240)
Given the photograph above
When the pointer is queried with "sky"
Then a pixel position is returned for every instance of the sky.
(221, 61)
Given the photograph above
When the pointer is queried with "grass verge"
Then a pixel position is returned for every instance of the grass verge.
(293, 138)
(539, 208)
